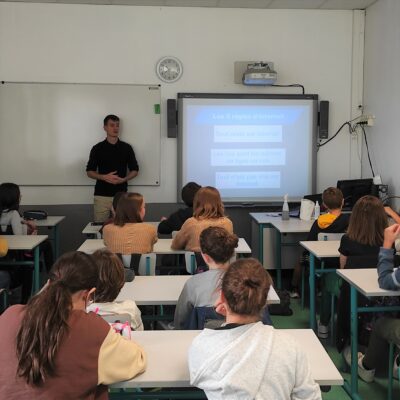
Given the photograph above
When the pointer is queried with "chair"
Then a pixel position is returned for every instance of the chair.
(200, 316)
(143, 264)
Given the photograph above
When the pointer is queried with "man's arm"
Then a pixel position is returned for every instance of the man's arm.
(131, 175)
(111, 177)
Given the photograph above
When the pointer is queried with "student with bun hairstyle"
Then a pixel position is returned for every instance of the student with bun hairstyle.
(201, 290)
(208, 210)
(129, 234)
(52, 349)
(245, 359)
(110, 282)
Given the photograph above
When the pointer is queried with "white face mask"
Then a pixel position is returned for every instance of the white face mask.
(90, 299)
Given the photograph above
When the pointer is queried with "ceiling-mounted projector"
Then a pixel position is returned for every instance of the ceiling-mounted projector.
(259, 73)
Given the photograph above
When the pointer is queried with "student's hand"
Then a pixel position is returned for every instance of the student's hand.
(163, 219)
(112, 178)
(220, 308)
(390, 235)
(32, 228)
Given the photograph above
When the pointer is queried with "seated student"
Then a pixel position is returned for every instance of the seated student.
(129, 234)
(4, 275)
(12, 223)
(208, 210)
(114, 204)
(365, 234)
(245, 359)
(52, 349)
(331, 222)
(359, 248)
(110, 282)
(386, 329)
(175, 221)
(201, 290)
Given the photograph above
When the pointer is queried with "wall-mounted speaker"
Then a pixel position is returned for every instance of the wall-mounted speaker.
(172, 124)
(323, 119)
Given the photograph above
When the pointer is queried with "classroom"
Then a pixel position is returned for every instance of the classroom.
(67, 64)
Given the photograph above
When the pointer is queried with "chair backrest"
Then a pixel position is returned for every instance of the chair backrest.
(145, 264)
(200, 316)
(6, 230)
(329, 236)
(190, 261)
(114, 318)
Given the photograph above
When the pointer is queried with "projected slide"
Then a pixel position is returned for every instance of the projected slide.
(249, 149)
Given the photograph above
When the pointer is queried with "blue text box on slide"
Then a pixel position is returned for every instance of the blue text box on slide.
(248, 180)
(248, 133)
(247, 157)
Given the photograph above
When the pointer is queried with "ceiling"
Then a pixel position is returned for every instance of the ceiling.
(269, 4)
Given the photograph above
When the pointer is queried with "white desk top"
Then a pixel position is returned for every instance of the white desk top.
(50, 221)
(293, 225)
(157, 290)
(163, 246)
(322, 248)
(23, 242)
(167, 358)
(90, 229)
(366, 281)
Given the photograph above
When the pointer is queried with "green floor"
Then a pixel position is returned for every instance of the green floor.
(368, 391)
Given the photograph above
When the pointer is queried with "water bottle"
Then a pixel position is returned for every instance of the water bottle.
(317, 210)
(285, 208)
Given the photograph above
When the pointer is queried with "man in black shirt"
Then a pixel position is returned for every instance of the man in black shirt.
(112, 163)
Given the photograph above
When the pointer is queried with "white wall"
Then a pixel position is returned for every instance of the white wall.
(382, 90)
(121, 44)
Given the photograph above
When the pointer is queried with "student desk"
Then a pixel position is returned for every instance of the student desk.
(164, 290)
(319, 249)
(94, 230)
(26, 243)
(52, 222)
(163, 246)
(167, 353)
(364, 281)
(260, 221)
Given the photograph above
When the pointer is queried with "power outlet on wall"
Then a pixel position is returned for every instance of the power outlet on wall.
(367, 119)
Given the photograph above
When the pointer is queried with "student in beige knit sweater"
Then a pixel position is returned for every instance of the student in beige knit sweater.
(208, 210)
(129, 234)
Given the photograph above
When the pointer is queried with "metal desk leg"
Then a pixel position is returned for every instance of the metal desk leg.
(148, 266)
(390, 376)
(36, 272)
(354, 340)
(261, 243)
(56, 243)
(279, 260)
(312, 292)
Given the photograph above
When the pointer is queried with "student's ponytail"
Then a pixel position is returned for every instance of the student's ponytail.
(45, 323)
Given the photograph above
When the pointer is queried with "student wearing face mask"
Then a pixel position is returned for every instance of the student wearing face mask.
(51, 348)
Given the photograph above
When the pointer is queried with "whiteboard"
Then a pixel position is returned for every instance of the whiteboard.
(48, 129)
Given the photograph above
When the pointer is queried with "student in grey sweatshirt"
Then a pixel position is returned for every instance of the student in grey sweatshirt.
(386, 329)
(201, 290)
(244, 359)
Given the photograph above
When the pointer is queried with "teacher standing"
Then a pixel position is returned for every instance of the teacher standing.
(112, 163)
